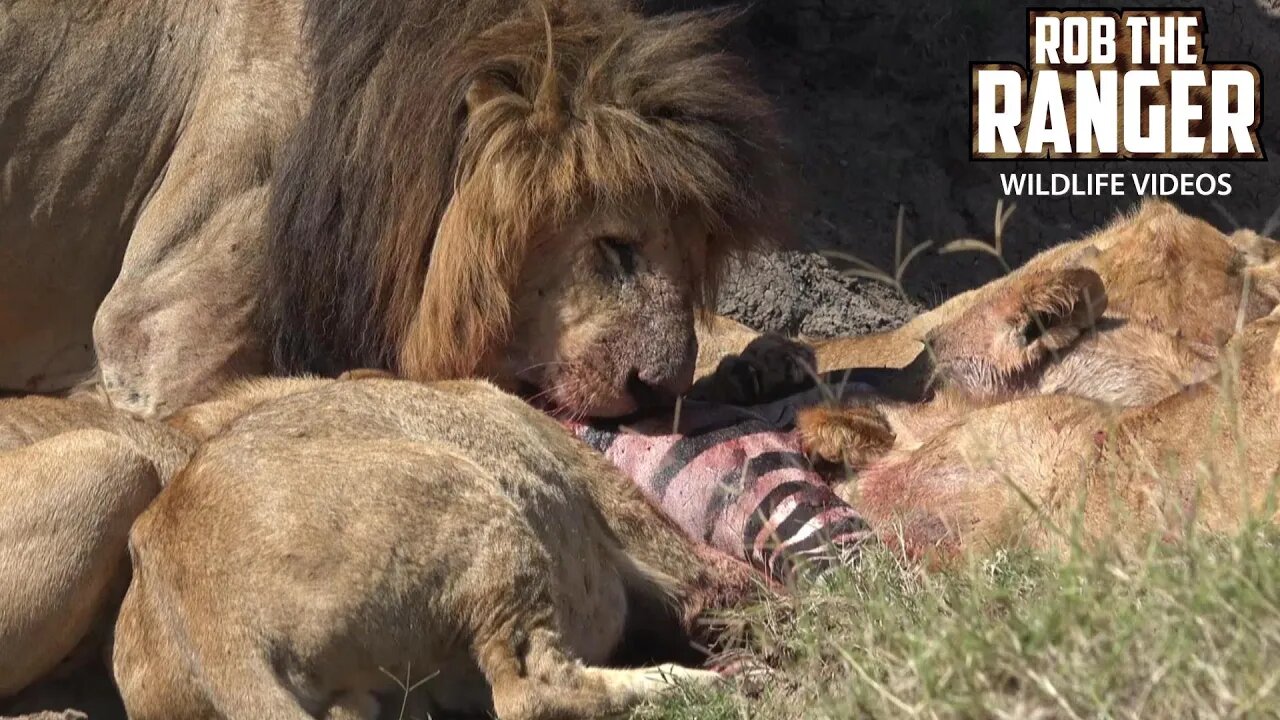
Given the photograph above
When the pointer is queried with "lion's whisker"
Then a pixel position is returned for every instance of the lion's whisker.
(539, 366)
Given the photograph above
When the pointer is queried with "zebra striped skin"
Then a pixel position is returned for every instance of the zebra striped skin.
(731, 478)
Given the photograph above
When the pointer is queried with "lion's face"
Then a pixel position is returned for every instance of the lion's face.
(604, 313)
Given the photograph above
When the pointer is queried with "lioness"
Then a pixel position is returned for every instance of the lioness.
(1137, 314)
(1054, 470)
(333, 539)
(1129, 315)
(1176, 289)
(74, 474)
(1172, 272)
(538, 192)
(77, 473)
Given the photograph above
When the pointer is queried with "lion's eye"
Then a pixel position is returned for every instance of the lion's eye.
(620, 254)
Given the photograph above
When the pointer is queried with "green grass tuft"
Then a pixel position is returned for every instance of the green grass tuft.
(1187, 631)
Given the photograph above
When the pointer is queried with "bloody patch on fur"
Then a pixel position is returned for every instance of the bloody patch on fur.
(921, 537)
(883, 489)
(900, 505)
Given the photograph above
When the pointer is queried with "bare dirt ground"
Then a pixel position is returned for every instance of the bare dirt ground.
(875, 98)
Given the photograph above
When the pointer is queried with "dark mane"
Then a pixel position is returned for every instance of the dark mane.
(650, 106)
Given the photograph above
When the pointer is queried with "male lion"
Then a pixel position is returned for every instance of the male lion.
(538, 192)
(338, 537)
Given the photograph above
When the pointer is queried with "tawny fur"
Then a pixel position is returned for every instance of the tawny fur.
(1176, 286)
(145, 132)
(368, 525)
(74, 475)
(849, 436)
(540, 193)
(1053, 471)
(408, 184)
(1129, 316)
(1172, 272)
(968, 465)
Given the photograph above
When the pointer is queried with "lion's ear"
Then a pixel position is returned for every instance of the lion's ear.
(464, 316)
(1057, 306)
(483, 90)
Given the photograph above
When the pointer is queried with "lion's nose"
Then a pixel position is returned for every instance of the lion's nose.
(647, 395)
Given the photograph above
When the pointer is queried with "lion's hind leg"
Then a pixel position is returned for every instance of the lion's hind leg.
(537, 680)
(536, 663)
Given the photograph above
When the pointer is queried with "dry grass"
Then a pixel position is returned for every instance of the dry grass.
(903, 257)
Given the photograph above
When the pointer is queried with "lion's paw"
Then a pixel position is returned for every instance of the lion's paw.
(849, 435)
(772, 367)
